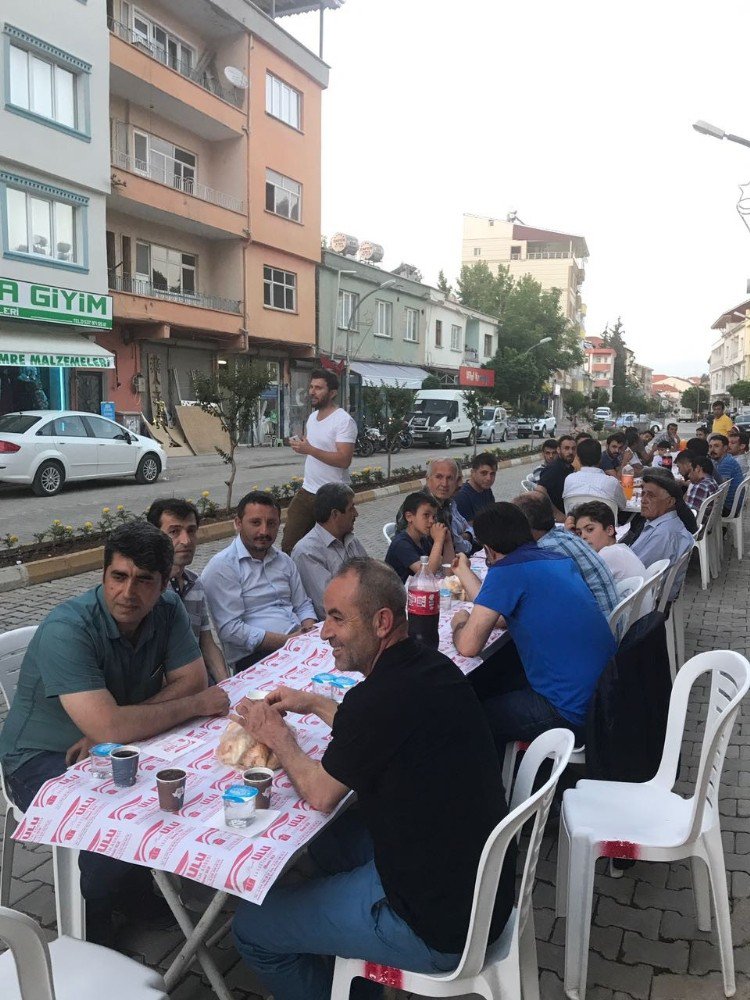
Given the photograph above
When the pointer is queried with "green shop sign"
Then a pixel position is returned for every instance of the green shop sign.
(49, 304)
(23, 358)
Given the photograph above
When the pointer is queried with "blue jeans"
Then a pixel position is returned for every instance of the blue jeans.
(104, 881)
(289, 939)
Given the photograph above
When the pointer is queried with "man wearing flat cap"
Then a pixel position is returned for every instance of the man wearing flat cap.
(664, 529)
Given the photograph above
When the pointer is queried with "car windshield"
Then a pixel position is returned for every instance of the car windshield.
(432, 406)
(17, 423)
(743, 415)
(488, 413)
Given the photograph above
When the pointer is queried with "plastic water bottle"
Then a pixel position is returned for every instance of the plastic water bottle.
(446, 597)
(423, 606)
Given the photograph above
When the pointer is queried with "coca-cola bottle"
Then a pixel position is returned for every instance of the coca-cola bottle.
(423, 605)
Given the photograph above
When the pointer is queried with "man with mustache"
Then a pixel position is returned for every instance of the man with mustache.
(254, 591)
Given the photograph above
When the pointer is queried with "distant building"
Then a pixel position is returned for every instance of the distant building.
(730, 353)
(600, 364)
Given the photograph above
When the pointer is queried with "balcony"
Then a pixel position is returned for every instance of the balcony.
(136, 300)
(155, 192)
(147, 75)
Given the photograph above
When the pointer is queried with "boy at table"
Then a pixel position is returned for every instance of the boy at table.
(117, 664)
(423, 535)
(412, 742)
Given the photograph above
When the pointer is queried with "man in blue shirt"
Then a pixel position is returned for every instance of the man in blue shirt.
(476, 493)
(254, 591)
(726, 465)
(561, 636)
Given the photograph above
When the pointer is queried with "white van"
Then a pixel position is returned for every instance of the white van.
(603, 413)
(439, 417)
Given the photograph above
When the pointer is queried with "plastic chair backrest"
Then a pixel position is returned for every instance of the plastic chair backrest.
(718, 507)
(674, 571)
(13, 647)
(740, 495)
(389, 531)
(628, 586)
(527, 485)
(703, 516)
(30, 953)
(654, 581)
(572, 502)
(629, 592)
(557, 744)
(730, 680)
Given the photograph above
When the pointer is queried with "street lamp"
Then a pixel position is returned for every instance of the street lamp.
(705, 128)
(544, 340)
(350, 329)
(336, 308)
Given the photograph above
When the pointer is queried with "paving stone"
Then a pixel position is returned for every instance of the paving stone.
(663, 955)
(643, 921)
(665, 899)
(671, 987)
(635, 980)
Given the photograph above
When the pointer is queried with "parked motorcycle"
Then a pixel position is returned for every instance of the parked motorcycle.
(364, 445)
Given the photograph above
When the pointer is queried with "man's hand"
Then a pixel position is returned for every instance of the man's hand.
(78, 752)
(300, 446)
(438, 531)
(570, 523)
(262, 721)
(307, 625)
(286, 699)
(212, 701)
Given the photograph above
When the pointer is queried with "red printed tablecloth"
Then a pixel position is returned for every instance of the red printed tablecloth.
(78, 810)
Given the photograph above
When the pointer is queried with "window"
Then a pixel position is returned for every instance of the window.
(348, 302)
(165, 269)
(162, 161)
(455, 337)
(104, 429)
(279, 289)
(46, 83)
(283, 196)
(283, 101)
(70, 426)
(411, 331)
(384, 319)
(488, 345)
(438, 333)
(477, 251)
(162, 44)
(43, 221)
(515, 253)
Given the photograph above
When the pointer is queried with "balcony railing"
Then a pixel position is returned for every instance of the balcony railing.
(184, 67)
(139, 286)
(163, 174)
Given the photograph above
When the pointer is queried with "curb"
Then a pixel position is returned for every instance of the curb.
(57, 567)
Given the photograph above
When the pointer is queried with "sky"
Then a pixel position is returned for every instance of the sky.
(576, 116)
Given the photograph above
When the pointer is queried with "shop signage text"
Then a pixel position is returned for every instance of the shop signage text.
(24, 358)
(49, 304)
(476, 378)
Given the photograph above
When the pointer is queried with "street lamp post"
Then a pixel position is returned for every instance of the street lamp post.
(350, 329)
(705, 128)
(544, 340)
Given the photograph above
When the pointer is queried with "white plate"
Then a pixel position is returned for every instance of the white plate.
(262, 819)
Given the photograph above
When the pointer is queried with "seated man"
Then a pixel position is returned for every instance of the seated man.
(562, 639)
(549, 454)
(726, 466)
(594, 522)
(254, 592)
(552, 479)
(738, 449)
(670, 437)
(548, 537)
(117, 664)
(701, 431)
(698, 446)
(422, 536)
(412, 742)
(664, 529)
(330, 543)
(476, 493)
(701, 480)
(179, 520)
(612, 458)
(592, 481)
(443, 477)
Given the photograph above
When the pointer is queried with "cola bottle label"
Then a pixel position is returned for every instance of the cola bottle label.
(424, 602)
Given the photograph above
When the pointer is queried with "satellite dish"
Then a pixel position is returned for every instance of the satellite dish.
(236, 77)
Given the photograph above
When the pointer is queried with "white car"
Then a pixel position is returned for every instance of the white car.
(545, 425)
(494, 425)
(47, 448)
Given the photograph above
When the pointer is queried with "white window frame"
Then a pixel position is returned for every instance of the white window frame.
(271, 282)
(51, 197)
(283, 101)
(348, 306)
(477, 251)
(184, 54)
(384, 319)
(411, 325)
(284, 187)
(438, 333)
(490, 338)
(180, 179)
(184, 266)
(456, 338)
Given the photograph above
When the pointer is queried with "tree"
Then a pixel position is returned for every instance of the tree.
(614, 338)
(443, 285)
(432, 382)
(387, 408)
(740, 390)
(691, 398)
(232, 396)
(474, 402)
(574, 401)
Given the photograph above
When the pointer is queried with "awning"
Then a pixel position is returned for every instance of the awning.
(404, 376)
(38, 349)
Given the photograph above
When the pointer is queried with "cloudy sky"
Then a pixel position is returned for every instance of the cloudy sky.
(578, 116)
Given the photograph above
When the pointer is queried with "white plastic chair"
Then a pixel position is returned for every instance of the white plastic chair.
(649, 821)
(676, 621)
(516, 747)
(68, 969)
(650, 591)
(575, 501)
(507, 968)
(13, 647)
(715, 532)
(628, 592)
(528, 485)
(706, 518)
(733, 520)
(389, 531)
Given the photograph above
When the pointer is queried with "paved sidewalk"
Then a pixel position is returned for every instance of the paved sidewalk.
(644, 942)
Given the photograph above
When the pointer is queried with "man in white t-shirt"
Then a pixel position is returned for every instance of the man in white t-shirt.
(591, 481)
(594, 522)
(328, 444)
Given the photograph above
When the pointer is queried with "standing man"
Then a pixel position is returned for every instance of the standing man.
(552, 479)
(179, 520)
(722, 423)
(254, 592)
(328, 447)
(476, 493)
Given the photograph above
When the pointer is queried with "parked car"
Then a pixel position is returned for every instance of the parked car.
(494, 425)
(742, 420)
(603, 413)
(627, 420)
(537, 426)
(47, 448)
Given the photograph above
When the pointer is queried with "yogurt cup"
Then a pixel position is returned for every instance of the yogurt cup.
(340, 685)
(101, 762)
(322, 684)
(240, 803)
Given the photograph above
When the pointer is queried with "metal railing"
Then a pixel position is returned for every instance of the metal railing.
(163, 175)
(139, 286)
(184, 67)
(548, 255)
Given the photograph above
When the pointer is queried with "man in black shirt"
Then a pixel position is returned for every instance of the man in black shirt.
(552, 479)
(412, 741)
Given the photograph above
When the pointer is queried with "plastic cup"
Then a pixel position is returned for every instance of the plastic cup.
(340, 685)
(170, 784)
(260, 778)
(124, 765)
(101, 762)
(240, 803)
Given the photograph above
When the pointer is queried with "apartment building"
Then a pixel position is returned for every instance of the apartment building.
(600, 364)
(54, 179)
(456, 337)
(730, 353)
(213, 221)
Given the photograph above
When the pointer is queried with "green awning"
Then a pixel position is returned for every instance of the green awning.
(39, 349)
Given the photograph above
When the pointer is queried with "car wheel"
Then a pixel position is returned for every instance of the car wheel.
(491, 438)
(447, 439)
(49, 479)
(148, 469)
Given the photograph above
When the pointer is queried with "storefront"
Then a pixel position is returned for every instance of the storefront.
(44, 364)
